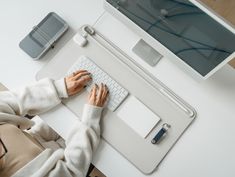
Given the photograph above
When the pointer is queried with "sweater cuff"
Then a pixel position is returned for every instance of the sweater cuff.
(61, 88)
(91, 113)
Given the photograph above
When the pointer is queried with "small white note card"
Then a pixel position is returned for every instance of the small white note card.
(137, 116)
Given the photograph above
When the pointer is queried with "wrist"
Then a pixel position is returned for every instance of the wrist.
(60, 86)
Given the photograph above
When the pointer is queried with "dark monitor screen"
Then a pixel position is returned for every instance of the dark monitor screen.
(186, 30)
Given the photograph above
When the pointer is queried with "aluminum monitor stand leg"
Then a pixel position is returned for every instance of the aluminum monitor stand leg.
(146, 53)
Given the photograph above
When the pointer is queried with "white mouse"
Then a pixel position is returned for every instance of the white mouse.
(80, 40)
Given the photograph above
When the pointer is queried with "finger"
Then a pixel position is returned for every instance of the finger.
(83, 80)
(102, 90)
(93, 93)
(105, 94)
(101, 97)
(79, 71)
(99, 94)
(81, 74)
(76, 72)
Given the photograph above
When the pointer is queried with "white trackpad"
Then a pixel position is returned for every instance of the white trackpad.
(137, 116)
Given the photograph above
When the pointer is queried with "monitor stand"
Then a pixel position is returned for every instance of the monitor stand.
(146, 53)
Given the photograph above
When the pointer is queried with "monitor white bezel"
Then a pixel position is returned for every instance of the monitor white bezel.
(165, 51)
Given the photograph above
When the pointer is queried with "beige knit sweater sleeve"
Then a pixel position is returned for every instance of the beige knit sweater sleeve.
(33, 99)
(83, 138)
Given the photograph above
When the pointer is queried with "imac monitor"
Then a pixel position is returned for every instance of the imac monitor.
(184, 31)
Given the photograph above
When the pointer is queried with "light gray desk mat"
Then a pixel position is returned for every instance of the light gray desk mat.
(171, 109)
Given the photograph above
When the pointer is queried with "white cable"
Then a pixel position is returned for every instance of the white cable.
(99, 18)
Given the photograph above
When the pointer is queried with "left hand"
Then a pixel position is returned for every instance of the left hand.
(77, 81)
(98, 95)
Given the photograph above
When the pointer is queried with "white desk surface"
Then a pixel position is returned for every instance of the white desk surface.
(206, 149)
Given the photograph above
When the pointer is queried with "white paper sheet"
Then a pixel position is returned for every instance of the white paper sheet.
(137, 116)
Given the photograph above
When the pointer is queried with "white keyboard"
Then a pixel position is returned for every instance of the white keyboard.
(116, 92)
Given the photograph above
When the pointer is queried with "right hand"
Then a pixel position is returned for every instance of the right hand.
(98, 95)
(77, 81)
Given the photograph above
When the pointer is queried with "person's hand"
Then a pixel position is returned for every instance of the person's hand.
(77, 81)
(98, 95)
